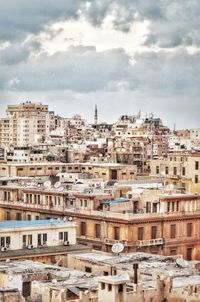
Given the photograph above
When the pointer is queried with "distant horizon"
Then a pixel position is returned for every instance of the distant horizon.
(125, 56)
(90, 119)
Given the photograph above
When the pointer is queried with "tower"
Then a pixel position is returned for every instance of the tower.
(96, 115)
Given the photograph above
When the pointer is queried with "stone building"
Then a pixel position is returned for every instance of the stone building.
(153, 220)
(180, 169)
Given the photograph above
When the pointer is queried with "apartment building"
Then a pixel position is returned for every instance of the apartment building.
(26, 124)
(16, 235)
(165, 223)
(106, 171)
(181, 169)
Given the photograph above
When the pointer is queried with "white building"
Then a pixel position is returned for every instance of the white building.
(32, 234)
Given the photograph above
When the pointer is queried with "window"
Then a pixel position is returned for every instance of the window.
(157, 169)
(175, 170)
(154, 207)
(172, 231)
(24, 240)
(18, 216)
(2, 241)
(140, 233)
(83, 228)
(183, 171)
(189, 229)
(196, 179)
(44, 238)
(120, 288)
(8, 241)
(189, 253)
(30, 240)
(166, 170)
(88, 269)
(60, 235)
(148, 207)
(39, 239)
(102, 286)
(196, 165)
(97, 231)
(28, 217)
(109, 287)
(116, 233)
(173, 252)
(8, 216)
(153, 232)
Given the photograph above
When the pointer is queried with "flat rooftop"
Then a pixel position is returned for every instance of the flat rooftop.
(149, 264)
(119, 200)
(31, 223)
(41, 251)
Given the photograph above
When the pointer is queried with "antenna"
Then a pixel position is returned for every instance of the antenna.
(117, 248)
(57, 185)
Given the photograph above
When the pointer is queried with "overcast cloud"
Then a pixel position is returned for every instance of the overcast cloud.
(158, 73)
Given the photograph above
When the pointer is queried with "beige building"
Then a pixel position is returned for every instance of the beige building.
(165, 223)
(181, 169)
(104, 171)
(26, 124)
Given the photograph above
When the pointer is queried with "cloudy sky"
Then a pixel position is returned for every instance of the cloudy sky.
(123, 55)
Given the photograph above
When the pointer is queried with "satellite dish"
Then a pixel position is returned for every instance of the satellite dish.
(60, 189)
(169, 187)
(47, 184)
(117, 248)
(57, 185)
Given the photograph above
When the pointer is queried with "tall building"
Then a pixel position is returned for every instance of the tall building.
(26, 123)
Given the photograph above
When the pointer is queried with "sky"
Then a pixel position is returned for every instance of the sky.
(125, 56)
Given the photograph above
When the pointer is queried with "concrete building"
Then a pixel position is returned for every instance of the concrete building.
(181, 169)
(140, 276)
(106, 171)
(38, 240)
(15, 235)
(133, 277)
(150, 219)
(26, 124)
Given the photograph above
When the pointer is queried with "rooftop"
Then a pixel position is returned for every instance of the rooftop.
(31, 223)
(115, 201)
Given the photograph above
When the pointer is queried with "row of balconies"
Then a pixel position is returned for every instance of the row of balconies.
(138, 243)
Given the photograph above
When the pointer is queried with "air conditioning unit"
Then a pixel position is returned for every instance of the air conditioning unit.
(3, 249)
(30, 247)
(66, 243)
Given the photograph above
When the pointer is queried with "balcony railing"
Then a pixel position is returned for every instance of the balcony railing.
(113, 241)
(150, 242)
(100, 214)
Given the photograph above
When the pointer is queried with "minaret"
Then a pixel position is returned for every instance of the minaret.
(96, 116)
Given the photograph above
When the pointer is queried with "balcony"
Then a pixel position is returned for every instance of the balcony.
(124, 242)
(150, 242)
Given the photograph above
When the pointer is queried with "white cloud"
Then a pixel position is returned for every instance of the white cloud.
(61, 35)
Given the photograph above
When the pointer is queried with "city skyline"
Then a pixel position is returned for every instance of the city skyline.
(120, 55)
